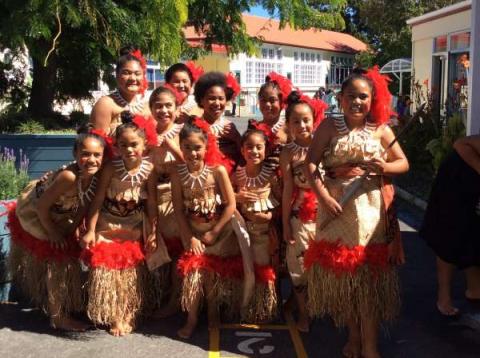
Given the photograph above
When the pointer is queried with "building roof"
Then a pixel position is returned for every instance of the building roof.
(443, 12)
(267, 30)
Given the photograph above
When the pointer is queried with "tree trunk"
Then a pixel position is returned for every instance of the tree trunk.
(40, 104)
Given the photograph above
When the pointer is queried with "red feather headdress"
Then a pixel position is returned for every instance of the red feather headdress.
(179, 96)
(143, 63)
(108, 150)
(283, 83)
(213, 155)
(381, 102)
(149, 125)
(318, 107)
(195, 70)
(233, 85)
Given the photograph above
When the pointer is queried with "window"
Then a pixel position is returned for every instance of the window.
(340, 68)
(302, 56)
(279, 54)
(319, 57)
(307, 57)
(249, 78)
(264, 53)
(295, 56)
(460, 41)
(271, 53)
(440, 44)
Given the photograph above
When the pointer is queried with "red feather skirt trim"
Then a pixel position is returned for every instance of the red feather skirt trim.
(342, 259)
(225, 267)
(116, 255)
(264, 273)
(41, 249)
(174, 246)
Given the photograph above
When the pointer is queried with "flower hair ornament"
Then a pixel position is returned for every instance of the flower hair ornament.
(143, 63)
(380, 110)
(284, 84)
(213, 155)
(233, 85)
(195, 70)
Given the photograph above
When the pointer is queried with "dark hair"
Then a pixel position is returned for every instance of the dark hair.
(357, 74)
(157, 92)
(293, 100)
(251, 132)
(127, 123)
(81, 137)
(125, 56)
(190, 128)
(178, 67)
(207, 81)
(272, 85)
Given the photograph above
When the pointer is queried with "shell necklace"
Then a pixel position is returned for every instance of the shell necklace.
(89, 193)
(218, 128)
(170, 134)
(140, 174)
(254, 182)
(136, 107)
(297, 149)
(277, 126)
(188, 179)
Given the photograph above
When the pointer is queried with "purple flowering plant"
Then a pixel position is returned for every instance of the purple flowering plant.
(12, 178)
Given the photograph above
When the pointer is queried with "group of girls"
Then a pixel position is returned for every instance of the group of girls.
(168, 207)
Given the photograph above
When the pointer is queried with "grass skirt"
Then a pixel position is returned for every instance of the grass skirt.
(263, 304)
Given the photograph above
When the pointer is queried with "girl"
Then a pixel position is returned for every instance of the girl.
(451, 226)
(44, 227)
(165, 156)
(272, 98)
(182, 76)
(212, 93)
(257, 190)
(113, 242)
(203, 201)
(298, 201)
(349, 265)
(131, 84)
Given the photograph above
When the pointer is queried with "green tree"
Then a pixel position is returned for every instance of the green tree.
(72, 42)
(382, 24)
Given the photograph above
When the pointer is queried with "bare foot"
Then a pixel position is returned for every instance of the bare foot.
(127, 328)
(186, 331)
(166, 311)
(68, 324)
(447, 309)
(352, 349)
(116, 329)
(303, 324)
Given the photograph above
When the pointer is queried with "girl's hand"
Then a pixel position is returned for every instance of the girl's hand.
(209, 238)
(196, 246)
(88, 240)
(169, 143)
(396, 255)
(376, 166)
(244, 196)
(287, 235)
(332, 206)
(57, 240)
(183, 116)
(151, 243)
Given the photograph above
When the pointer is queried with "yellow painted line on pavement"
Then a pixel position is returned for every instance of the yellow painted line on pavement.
(297, 340)
(253, 326)
(214, 343)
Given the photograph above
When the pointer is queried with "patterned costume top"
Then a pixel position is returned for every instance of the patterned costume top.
(63, 212)
(164, 160)
(261, 185)
(121, 216)
(226, 144)
(135, 108)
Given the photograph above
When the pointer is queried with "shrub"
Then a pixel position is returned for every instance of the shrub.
(12, 180)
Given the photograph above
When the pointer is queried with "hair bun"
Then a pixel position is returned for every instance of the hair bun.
(293, 98)
(126, 117)
(125, 50)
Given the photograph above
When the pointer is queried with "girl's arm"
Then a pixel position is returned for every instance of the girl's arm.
(101, 115)
(64, 181)
(396, 162)
(174, 148)
(226, 190)
(285, 166)
(468, 148)
(321, 139)
(152, 210)
(92, 217)
(189, 241)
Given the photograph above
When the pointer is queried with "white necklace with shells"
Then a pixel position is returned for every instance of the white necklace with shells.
(140, 174)
(89, 193)
(188, 179)
(170, 134)
(136, 107)
(254, 182)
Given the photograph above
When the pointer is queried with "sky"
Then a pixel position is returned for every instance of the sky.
(259, 11)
